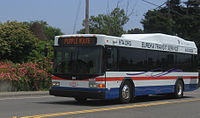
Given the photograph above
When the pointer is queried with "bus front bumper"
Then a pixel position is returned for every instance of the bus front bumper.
(94, 93)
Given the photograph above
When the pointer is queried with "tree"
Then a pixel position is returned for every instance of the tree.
(135, 31)
(193, 3)
(183, 21)
(110, 24)
(50, 32)
(4, 48)
(16, 41)
(37, 27)
(38, 31)
(155, 21)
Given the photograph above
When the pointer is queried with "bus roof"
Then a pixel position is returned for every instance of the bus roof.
(160, 38)
(153, 41)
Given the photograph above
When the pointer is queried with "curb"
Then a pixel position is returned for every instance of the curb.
(24, 93)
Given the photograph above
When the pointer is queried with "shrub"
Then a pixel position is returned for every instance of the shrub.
(26, 76)
(16, 41)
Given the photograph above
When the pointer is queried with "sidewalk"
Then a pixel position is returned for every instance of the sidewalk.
(24, 93)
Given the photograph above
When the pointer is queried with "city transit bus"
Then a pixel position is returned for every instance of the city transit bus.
(108, 67)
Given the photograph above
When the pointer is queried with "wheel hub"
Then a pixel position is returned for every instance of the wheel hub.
(179, 89)
(125, 92)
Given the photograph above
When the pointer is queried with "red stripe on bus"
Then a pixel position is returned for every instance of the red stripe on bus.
(57, 78)
(154, 78)
(133, 78)
(190, 77)
(148, 78)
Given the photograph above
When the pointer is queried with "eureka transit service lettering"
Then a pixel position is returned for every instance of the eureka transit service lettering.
(159, 46)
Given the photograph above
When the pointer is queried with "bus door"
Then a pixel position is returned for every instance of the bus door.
(111, 62)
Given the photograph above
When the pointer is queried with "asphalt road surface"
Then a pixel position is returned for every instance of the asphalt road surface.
(61, 107)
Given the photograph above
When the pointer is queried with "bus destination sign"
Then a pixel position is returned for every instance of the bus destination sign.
(78, 41)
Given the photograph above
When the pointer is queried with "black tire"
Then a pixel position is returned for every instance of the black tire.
(126, 92)
(179, 88)
(80, 100)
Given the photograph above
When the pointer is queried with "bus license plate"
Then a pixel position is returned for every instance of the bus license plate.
(73, 84)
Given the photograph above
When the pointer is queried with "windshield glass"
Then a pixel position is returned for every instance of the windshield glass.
(78, 60)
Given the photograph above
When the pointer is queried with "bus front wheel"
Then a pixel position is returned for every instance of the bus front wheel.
(126, 92)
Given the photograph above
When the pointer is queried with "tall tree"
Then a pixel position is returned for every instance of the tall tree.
(193, 3)
(16, 41)
(155, 21)
(184, 21)
(135, 31)
(38, 31)
(49, 31)
(110, 24)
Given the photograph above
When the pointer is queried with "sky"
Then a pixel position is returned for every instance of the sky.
(69, 14)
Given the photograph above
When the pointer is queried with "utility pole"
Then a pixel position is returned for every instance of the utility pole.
(87, 17)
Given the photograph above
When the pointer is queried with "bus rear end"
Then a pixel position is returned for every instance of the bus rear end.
(78, 68)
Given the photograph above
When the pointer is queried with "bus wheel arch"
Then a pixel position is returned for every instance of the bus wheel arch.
(127, 90)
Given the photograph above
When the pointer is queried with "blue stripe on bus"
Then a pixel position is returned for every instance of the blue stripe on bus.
(112, 93)
(146, 90)
(190, 87)
(153, 90)
(139, 91)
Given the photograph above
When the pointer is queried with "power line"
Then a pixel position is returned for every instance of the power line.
(77, 14)
(108, 7)
(159, 6)
(151, 3)
(133, 9)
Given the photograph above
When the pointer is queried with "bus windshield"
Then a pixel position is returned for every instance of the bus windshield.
(78, 60)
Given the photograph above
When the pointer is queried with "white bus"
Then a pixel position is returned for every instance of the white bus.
(108, 67)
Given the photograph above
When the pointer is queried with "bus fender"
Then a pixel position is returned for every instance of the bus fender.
(130, 80)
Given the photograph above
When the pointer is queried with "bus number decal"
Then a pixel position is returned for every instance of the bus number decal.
(125, 42)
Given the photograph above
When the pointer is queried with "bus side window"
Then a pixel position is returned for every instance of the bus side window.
(111, 58)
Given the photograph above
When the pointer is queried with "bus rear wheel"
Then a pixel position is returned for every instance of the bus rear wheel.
(126, 92)
(179, 89)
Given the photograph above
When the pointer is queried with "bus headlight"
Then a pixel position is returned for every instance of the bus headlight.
(93, 84)
(55, 83)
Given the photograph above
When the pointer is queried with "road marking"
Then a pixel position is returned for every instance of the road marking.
(108, 109)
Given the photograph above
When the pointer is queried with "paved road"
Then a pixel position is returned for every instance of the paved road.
(60, 107)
